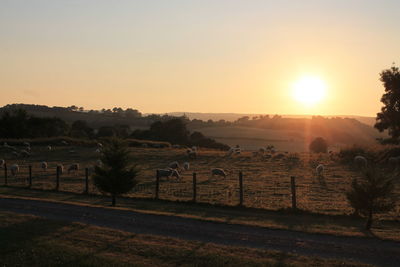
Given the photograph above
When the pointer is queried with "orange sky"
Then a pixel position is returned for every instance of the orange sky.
(202, 56)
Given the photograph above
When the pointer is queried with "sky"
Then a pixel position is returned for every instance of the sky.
(197, 56)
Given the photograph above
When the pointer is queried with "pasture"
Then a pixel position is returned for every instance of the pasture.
(266, 181)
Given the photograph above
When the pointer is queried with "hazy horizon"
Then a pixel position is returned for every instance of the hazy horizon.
(209, 56)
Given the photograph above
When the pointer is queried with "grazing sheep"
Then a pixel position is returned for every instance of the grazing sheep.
(49, 148)
(26, 144)
(97, 150)
(319, 169)
(230, 151)
(100, 145)
(43, 165)
(24, 153)
(186, 166)
(278, 156)
(218, 171)
(61, 168)
(14, 169)
(73, 168)
(65, 143)
(174, 165)
(99, 163)
(238, 151)
(168, 173)
(360, 161)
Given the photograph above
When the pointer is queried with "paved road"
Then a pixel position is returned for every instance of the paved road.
(367, 250)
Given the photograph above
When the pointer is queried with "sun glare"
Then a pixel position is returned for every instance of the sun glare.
(309, 90)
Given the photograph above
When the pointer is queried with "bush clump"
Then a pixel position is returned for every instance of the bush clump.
(319, 145)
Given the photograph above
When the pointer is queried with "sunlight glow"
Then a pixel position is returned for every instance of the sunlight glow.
(309, 90)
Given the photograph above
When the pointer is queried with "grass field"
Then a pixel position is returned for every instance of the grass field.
(32, 241)
(266, 181)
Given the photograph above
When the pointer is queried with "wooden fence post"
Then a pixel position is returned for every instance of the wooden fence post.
(157, 184)
(30, 176)
(240, 188)
(293, 188)
(58, 177)
(194, 187)
(5, 174)
(86, 180)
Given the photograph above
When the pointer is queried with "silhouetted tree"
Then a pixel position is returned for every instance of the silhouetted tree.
(374, 194)
(81, 129)
(319, 145)
(389, 117)
(116, 176)
(16, 123)
(106, 131)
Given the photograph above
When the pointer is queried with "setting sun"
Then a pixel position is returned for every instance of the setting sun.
(309, 90)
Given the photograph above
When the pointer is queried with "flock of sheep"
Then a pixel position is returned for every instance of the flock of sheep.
(174, 168)
(26, 152)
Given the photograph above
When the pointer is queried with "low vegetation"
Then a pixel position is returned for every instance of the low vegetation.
(372, 194)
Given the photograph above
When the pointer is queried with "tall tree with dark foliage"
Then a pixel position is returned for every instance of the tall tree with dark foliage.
(389, 117)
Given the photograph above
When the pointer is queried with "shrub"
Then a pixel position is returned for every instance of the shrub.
(116, 176)
(374, 194)
(319, 145)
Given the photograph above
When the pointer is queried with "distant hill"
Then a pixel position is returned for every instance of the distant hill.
(235, 116)
(286, 132)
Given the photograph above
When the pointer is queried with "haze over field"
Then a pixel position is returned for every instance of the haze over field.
(267, 57)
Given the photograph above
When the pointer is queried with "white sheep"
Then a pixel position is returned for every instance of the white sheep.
(26, 144)
(43, 165)
(99, 163)
(24, 153)
(168, 173)
(63, 142)
(73, 168)
(174, 165)
(319, 169)
(100, 145)
(60, 167)
(360, 161)
(49, 148)
(14, 169)
(186, 166)
(97, 150)
(2, 163)
(218, 171)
